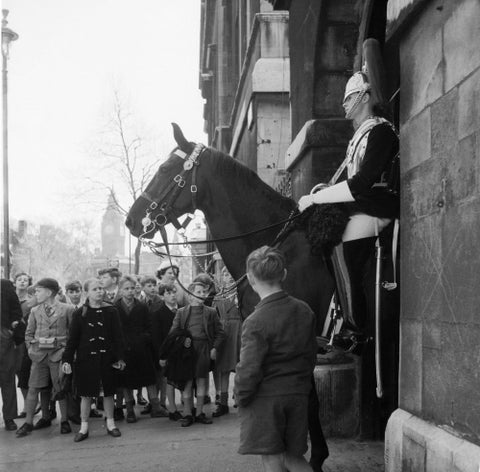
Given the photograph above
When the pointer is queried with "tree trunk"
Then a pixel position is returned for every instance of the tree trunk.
(136, 268)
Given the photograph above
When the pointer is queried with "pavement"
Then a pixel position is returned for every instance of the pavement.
(160, 445)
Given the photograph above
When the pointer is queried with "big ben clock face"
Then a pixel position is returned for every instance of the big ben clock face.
(108, 229)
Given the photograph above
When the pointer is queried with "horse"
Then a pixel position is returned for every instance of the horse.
(236, 202)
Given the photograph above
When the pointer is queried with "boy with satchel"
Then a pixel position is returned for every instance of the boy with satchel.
(46, 338)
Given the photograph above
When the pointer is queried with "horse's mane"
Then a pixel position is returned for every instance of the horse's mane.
(238, 171)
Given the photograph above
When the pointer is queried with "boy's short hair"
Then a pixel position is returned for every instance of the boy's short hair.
(112, 271)
(266, 264)
(148, 279)
(90, 281)
(125, 279)
(192, 286)
(30, 279)
(162, 288)
(74, 285)
(31, 290)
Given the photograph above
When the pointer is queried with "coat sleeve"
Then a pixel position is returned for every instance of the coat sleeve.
(31, 327)
(219, 333)
(74, 335)
(177, 320)
(118, 341)
(249, 372)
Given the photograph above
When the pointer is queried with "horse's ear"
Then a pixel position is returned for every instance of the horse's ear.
(183, 144)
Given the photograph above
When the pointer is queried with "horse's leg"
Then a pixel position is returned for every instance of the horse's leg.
(319, 448)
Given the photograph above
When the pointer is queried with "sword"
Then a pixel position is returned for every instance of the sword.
(378, 305)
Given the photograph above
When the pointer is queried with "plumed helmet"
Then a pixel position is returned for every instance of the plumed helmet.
(358, 82)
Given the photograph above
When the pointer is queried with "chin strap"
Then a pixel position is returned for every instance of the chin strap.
(335, 194)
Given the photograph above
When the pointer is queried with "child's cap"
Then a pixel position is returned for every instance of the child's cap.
(48, 283)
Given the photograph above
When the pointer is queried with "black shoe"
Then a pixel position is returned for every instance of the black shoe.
(160, 413)
(95, 413)
(115, 432)
(42, 423)
(22, 415)
(118, 414)
(140, 400)
(175, 416)
(80, 436)
(10, 425)
(147, 409)
(220, 411)
(217, 399)
(207, 400)
(201, 418)
(65, 427)
(131, 418)
(74, 419)
(24, 430)
(187, 421)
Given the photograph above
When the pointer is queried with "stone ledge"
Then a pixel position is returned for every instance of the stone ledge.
(410, 440)
(331, 132)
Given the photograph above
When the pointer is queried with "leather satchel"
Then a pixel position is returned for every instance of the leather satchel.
(46, 343)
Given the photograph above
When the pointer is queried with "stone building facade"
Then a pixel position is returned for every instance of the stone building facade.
(432, 55)
(244, 78)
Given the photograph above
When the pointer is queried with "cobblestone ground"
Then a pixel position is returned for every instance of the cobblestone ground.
(160, 445)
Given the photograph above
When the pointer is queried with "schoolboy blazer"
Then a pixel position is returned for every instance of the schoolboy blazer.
(40, 325)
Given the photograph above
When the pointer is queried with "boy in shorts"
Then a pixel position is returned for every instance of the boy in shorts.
(46, 338)
(273, 376)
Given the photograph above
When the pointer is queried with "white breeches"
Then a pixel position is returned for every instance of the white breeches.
(364, 226)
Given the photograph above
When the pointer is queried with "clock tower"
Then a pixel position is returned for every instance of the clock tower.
(113, 231)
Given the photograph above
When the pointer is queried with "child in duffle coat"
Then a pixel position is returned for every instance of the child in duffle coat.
(95, 349)
(277, 357)
(208, 335)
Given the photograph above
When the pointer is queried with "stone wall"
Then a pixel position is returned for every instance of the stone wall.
(440, 220)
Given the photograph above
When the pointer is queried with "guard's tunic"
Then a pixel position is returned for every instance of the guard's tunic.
(371, 152)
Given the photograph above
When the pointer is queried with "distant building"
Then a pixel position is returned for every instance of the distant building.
(113, 231)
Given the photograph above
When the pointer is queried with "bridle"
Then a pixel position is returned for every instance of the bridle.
(164, 202)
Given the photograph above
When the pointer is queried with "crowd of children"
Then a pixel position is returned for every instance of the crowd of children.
(91, 347)
(130, 333)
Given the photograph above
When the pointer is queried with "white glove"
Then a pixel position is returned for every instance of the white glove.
(66, 368)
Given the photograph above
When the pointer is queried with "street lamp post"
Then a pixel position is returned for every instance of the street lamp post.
(7, 37)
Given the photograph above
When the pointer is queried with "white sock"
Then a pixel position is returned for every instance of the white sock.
(110, 424)
(84, 427)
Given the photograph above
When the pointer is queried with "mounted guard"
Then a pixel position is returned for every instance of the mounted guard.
(371, 195)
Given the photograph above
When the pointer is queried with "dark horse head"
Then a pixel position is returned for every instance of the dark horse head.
(235, 202)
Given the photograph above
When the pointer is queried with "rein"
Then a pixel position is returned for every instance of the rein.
(284, 222)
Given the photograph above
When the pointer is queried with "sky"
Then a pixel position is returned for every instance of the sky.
(70, 57)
